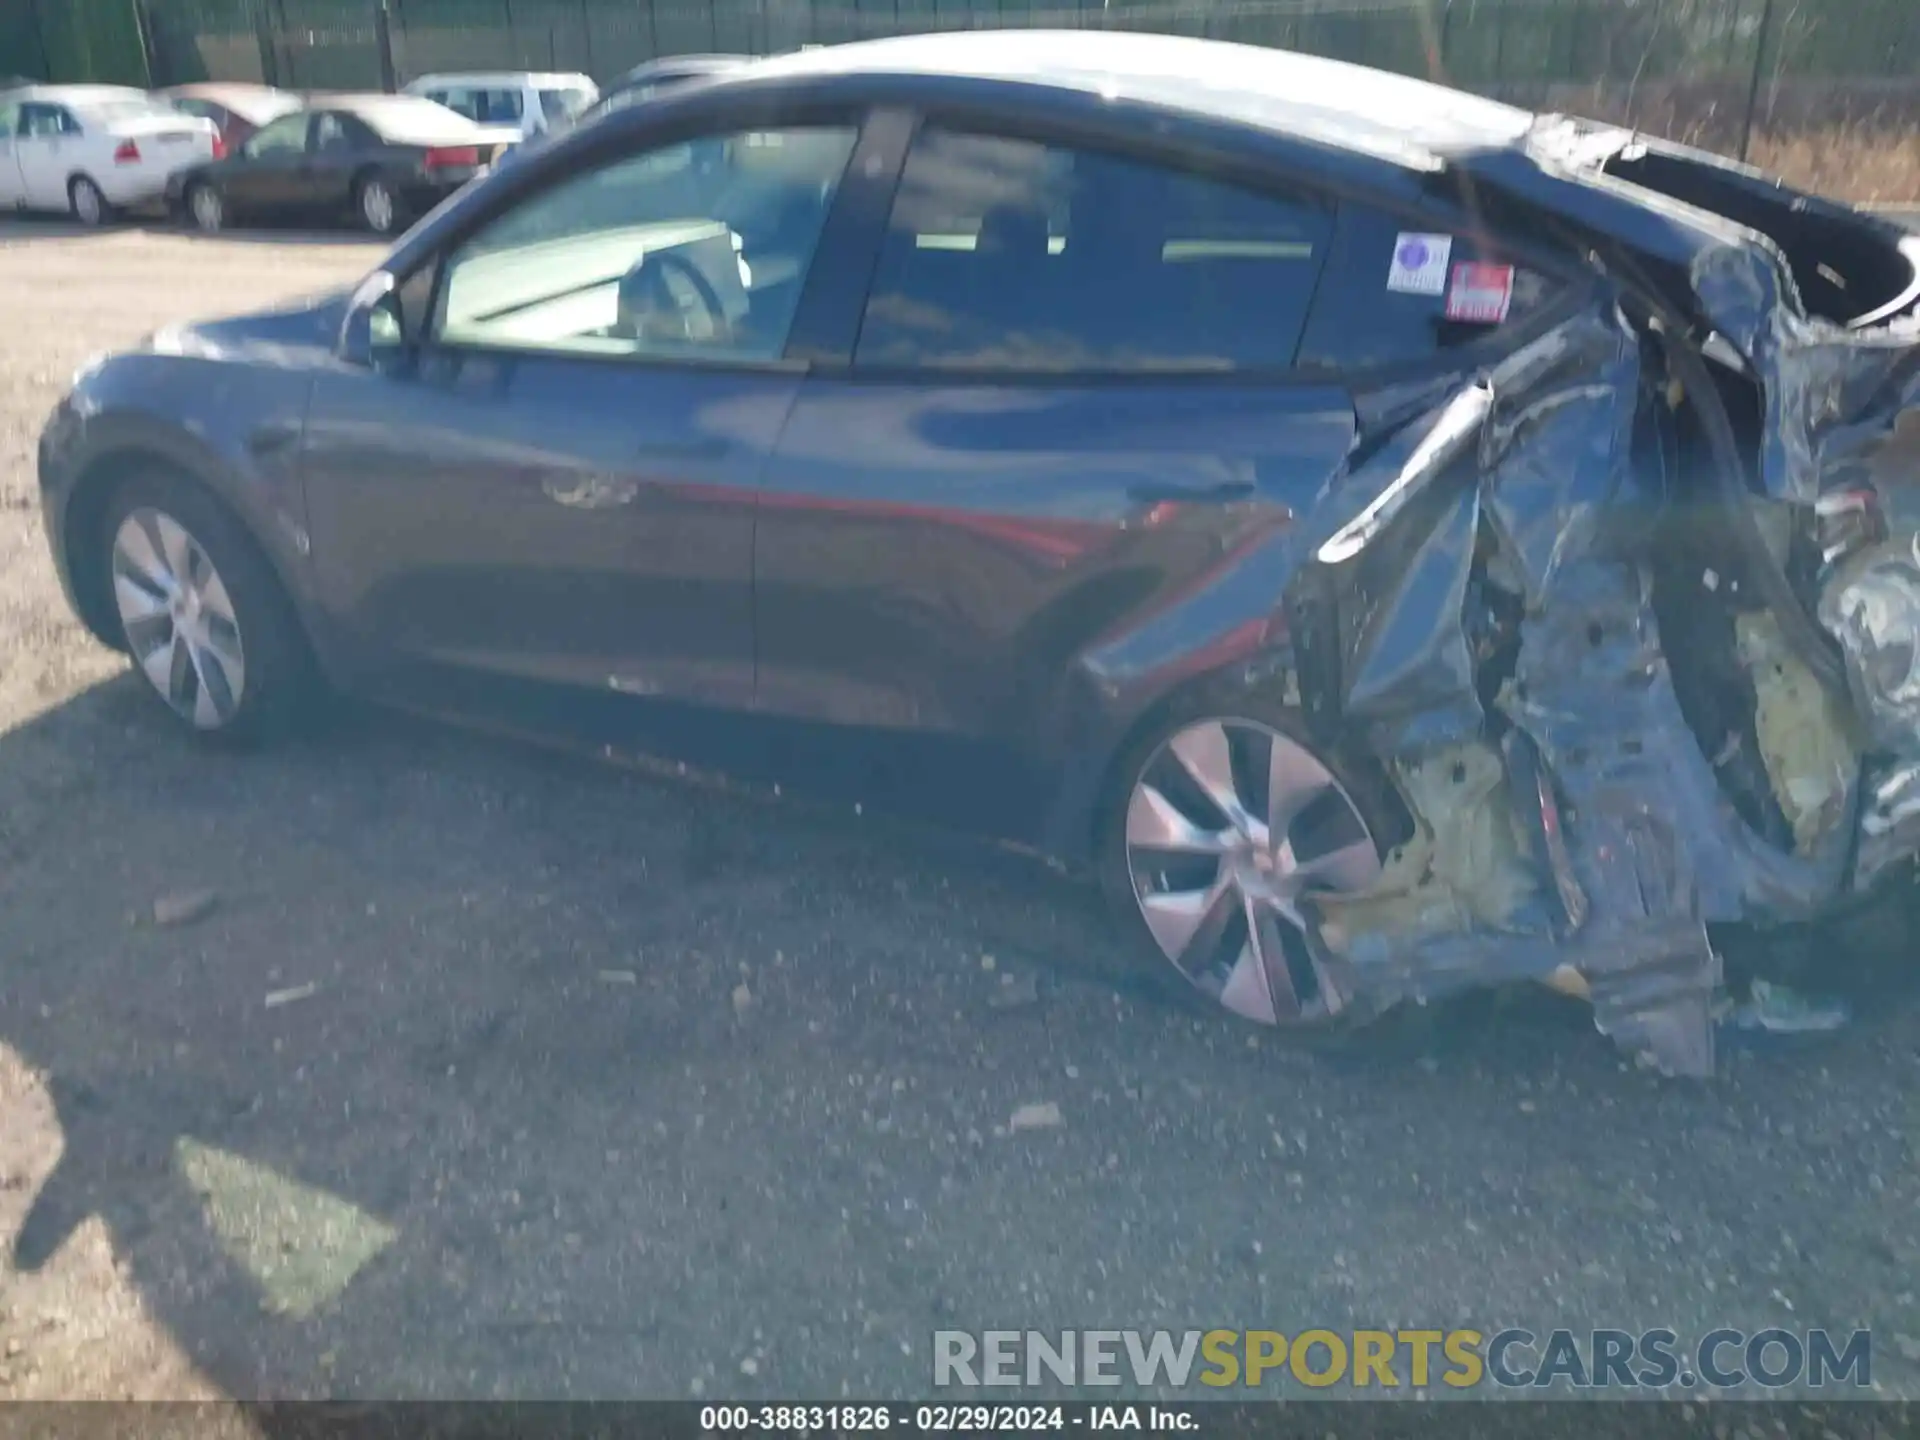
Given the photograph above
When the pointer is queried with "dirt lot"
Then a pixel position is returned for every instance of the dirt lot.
(491, 1073)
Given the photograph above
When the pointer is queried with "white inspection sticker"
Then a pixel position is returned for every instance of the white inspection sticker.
(1420, 264)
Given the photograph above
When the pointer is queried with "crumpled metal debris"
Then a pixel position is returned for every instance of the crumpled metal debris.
(1597, 837)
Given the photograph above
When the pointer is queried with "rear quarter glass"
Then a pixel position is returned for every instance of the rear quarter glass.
(1358, 321)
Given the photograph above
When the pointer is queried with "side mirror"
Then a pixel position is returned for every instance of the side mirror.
(374, 333)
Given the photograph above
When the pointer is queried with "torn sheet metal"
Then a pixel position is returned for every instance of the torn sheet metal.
(1841, 440)
(1598, 840)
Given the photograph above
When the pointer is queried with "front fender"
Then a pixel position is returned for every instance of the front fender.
(233, 428)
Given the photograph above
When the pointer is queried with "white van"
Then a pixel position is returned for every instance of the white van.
(523, 99)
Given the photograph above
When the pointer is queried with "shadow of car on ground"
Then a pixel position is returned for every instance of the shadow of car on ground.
(494, 1074)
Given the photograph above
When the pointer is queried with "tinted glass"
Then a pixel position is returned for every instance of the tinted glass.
(330, 133)
(501, 105)
(694, 250)
(1010, 255)
(287, 133)
(563, 104)
(39, 119)
(1360, 318)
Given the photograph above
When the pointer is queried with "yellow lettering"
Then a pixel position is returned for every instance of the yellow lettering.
(1224, 1366)
(1373, 1355)
(1421, 1342)
(1266, 1350)
(1463, 1349)
(1303, 1370)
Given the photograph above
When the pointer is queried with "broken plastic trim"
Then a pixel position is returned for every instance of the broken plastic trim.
(1457, 427)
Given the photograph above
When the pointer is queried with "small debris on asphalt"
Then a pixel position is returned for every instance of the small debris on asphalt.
(1043, 1115)
(619, 977)
(183, 908)
(749, 1366)
(987, 962)
(1908, 1347)
(277, 998)
(742, 998)
(1015, 992)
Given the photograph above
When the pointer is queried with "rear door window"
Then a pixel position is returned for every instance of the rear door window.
(462, 102)
(499, 107)
(1374, 307)
(563, 104)
(1011, 255)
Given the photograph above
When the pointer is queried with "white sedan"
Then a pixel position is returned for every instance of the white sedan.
(88, 150)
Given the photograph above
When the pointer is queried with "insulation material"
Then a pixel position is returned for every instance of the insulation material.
(1466, 867)
(1805, 738)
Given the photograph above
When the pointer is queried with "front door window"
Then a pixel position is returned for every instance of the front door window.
(693, 251)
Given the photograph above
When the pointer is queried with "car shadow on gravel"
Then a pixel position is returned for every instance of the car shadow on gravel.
(488, 1073)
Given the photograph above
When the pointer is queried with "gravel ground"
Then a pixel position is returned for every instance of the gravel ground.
(492, 1073)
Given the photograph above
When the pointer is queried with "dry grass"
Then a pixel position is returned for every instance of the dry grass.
(1855, 140)
(1851, 163)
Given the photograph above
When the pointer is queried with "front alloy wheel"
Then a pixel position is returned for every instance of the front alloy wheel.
(178, 618)
(1230, 824)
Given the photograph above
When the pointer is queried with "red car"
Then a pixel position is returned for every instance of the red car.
(237, 109)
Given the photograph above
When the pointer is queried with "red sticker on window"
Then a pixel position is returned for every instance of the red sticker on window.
(1480, 293)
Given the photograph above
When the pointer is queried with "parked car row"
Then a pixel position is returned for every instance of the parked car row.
(215, 153)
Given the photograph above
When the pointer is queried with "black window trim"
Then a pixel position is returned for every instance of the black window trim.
(426, 279)
(1281, 175)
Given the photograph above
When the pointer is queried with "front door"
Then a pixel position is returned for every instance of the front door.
(557, 494)
(1068, 412)
(12, 183)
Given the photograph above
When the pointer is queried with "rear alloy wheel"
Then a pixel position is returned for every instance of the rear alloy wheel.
(202, 613)
(1229, 824)
(89, 205)
(207, 207)
(379, 211)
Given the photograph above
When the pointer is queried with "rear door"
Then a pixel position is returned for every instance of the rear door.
(337, 145)
(263, 178)
(1069, 404)
(550, 512)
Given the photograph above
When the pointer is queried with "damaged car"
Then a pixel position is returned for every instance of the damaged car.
(1396, 541)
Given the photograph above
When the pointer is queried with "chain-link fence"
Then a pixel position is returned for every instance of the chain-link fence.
(1702, 68)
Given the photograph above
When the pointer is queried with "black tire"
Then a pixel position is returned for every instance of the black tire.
(87, 203)
(367, 185)
(1363, 781)
(280, 686)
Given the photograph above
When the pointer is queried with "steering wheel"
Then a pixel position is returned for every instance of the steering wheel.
(666, 298)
